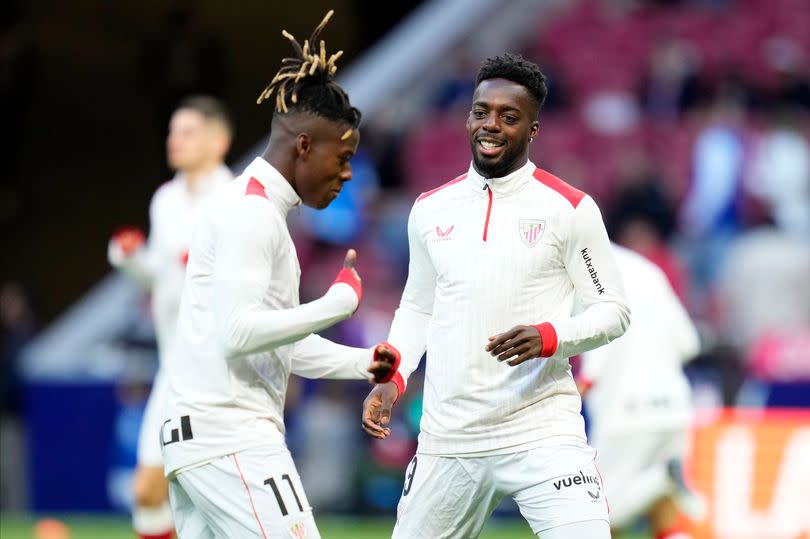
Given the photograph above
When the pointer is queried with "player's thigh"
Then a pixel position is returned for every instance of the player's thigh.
(150, 451)
(253, 493)
(189, 522)
(556, 485)
(590, 529)
(445, 498)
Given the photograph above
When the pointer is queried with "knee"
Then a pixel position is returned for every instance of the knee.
(150, 490)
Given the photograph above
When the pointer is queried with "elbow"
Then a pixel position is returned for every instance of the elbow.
(622, 322)
(230, 349)
(232, 342)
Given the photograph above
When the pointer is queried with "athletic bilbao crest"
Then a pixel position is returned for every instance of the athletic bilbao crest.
(298, 530)
(531, 230)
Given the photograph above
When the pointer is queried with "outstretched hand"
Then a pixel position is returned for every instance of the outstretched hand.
(129, 240)
(384, 364)
(377, 410)
(520, 343)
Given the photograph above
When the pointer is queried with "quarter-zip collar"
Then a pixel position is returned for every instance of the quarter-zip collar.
(503, 186)
(276, 186)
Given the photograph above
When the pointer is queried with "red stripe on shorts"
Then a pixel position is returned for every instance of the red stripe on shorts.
(596, 454)
(250, 496)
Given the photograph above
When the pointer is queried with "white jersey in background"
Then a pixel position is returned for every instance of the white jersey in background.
(241, 330)
(638, 380)
(486, 255)
(639, 401)
(160, 266)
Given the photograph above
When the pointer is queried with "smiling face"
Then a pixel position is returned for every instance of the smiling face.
(502, 121)
(323, 163)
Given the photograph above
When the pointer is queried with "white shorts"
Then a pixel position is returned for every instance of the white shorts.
(150, 451)
(452, 497)
(255, 493)
(634, 466)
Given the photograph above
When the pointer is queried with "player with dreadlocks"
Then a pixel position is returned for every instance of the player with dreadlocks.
(501, 412)
(241, 330)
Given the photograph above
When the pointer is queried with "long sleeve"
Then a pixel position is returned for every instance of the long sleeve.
(246, 248)
(591, 267)
(141, 265)
(316, 357)
(411, 320)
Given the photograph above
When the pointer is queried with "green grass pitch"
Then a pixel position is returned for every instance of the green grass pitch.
(105, 527)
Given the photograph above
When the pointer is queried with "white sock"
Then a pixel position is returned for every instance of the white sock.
(153, 520)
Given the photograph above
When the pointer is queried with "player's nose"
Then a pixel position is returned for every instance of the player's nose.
(346, 173)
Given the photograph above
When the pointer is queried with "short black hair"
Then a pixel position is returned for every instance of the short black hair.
(515, 68)
(305, 82)
(210, 107)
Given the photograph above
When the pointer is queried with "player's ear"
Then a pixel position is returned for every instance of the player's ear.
(534, 129)
(303, 145)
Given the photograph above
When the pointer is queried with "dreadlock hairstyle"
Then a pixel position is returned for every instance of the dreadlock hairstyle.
(517, 69)
(305, 82)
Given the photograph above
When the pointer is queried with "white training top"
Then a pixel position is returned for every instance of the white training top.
(161, 264)
(241, 330)
(486, 255)
(638, 380)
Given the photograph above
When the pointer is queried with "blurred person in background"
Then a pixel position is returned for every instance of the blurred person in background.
(711, 214)
(638, 401)
(763, 289)
(788, 61)
(642, 216)
(242, 331)
(780, 172)
(501, 408)
(200, 133)
(18, 325)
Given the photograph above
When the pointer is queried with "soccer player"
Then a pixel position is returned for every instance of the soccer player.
(241, 329)
(497, 257)
(198, 140)
(638, 401)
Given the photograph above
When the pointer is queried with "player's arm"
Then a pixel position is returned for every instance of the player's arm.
(408, 331)
(590, 265)
(132, 254)
(316, 357)
(245, 247)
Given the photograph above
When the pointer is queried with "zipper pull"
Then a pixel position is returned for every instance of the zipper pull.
(486, 186)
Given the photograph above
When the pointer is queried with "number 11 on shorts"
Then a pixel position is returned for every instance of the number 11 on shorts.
(281, 505)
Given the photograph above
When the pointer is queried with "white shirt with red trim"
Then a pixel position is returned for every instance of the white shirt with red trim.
(241, 329)
(161, 264)
(486, 255)
(638, 381)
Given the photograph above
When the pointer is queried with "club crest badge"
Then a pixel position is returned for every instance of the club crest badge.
(531, 230)
(298, 530)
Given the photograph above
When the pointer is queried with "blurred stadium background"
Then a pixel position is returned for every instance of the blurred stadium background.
(687, 120)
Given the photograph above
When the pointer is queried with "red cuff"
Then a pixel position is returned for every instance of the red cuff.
(349, 277)
(400, 383)
(549, 337)
(397, 358)
(167, 535)
(129, 239)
